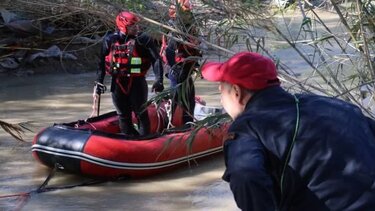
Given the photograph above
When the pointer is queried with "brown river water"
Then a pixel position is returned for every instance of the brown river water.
(59, 97)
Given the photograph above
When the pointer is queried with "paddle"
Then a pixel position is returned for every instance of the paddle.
(95, 105)
(97, 96)
(98, 107)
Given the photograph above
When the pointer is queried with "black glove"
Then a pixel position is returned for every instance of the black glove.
(157, 86)
(100, 88)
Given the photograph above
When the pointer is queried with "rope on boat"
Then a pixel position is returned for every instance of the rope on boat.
(161, 119)
(89, 123)
(168, 108)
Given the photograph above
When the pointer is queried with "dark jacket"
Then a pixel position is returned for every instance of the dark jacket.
(180, 59)
(331, 164)
(144, 45)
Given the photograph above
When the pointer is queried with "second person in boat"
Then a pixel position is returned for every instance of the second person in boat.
(181, 54)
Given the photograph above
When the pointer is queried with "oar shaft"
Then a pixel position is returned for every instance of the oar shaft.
(98, 105)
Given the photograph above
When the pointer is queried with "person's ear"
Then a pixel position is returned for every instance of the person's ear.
(240, 94)
(237, 91)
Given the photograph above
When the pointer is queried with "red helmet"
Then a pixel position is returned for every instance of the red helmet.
(183, 4)
(125, 19)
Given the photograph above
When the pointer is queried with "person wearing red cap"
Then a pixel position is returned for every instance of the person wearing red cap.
(181, 54)
(126, 55)
(288, 151)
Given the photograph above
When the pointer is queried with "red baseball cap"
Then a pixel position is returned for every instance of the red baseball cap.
(247, 69)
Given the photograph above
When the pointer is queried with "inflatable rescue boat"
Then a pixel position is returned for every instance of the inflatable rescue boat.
(94, 147)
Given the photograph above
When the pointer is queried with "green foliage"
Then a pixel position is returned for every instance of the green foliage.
(339, 59)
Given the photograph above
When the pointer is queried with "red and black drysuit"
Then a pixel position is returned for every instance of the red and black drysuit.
(129, 88)
(182, 60)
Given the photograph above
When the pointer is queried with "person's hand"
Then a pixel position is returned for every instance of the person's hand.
(157, 86)
(99, 88)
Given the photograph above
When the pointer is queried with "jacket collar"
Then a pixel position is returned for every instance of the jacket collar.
(267, 96)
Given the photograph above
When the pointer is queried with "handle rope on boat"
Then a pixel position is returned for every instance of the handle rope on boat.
(168, 108)
(159, 113)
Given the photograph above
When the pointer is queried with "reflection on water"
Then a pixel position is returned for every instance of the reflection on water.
(46, 99)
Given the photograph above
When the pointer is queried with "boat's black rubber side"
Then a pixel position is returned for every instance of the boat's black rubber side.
(62, 139)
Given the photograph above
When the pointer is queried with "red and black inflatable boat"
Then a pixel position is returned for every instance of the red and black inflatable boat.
(94, 147)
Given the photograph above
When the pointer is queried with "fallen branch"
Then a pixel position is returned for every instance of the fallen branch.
(15, 130)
